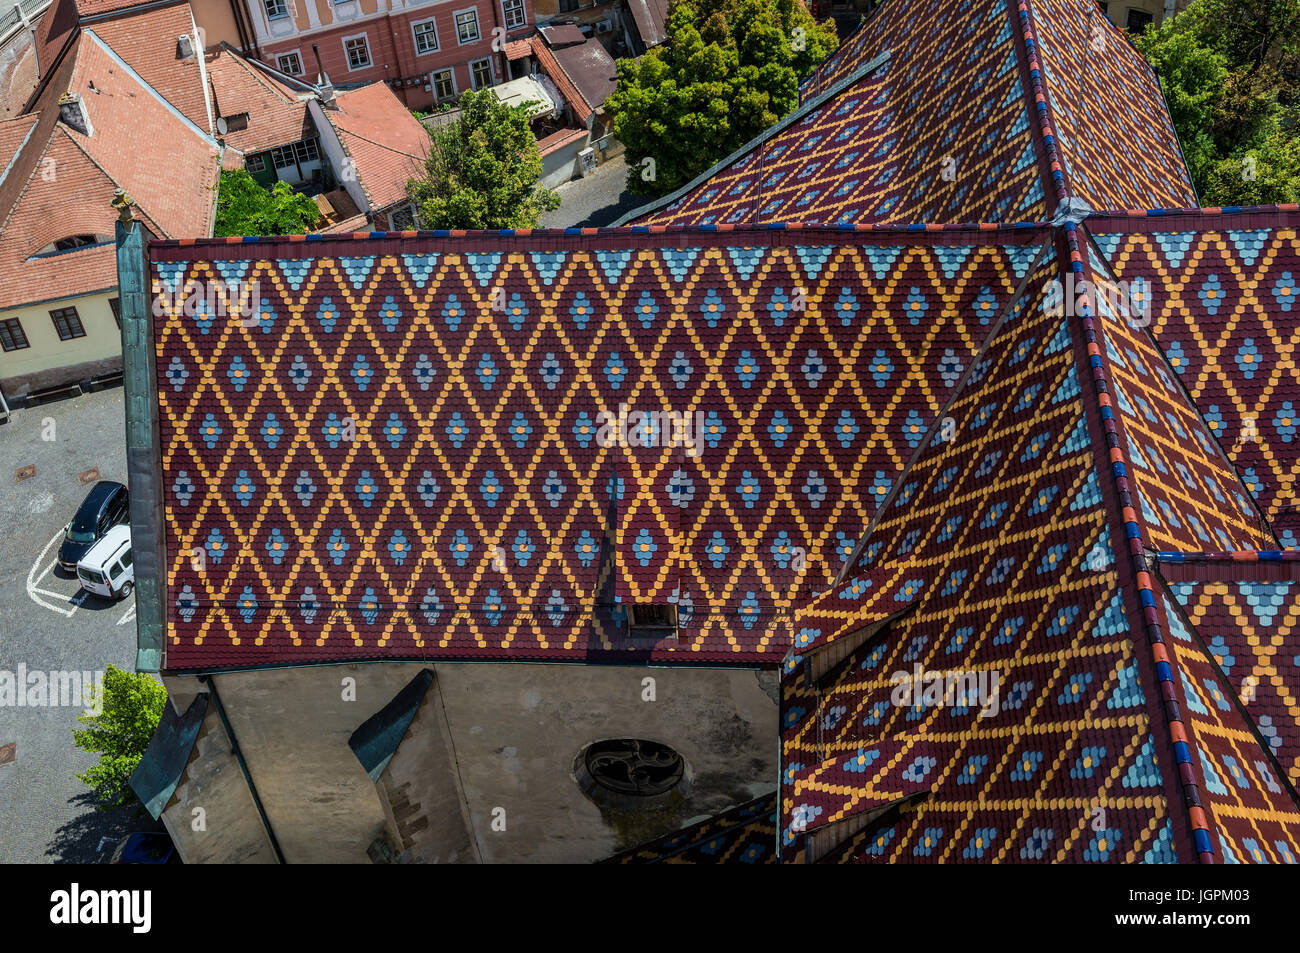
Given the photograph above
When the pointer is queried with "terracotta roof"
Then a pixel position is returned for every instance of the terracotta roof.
(559, 139)
(62, 180)
(147, 41)
(276, 116)
(383, 138)
(94, 8)
(518, 49)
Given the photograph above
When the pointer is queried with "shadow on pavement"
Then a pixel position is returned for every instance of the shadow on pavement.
(89, 838)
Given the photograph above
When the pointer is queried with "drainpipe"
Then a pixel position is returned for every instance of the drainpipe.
(243, 766)
(497, 25)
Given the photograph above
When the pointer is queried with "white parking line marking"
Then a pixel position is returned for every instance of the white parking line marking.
(33, 579)
(127, 616)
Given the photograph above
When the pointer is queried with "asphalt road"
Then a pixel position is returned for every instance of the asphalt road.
(599, 199)
(49, 623)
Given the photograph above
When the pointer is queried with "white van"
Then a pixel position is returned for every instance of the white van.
(106, 569)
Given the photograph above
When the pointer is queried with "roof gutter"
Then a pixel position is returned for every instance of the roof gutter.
(143, 461)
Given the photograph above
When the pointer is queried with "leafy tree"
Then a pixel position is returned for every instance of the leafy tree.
(245, 208)
(727, 70)
(132, 707)
(483, 170)
(1231, 75)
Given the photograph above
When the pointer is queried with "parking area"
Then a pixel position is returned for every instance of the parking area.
(50, 456)
(599, 199)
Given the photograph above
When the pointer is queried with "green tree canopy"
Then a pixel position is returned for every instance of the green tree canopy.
(483, 170)
(245, 208)
(132, 707)
(1231, 75)
(727, 70)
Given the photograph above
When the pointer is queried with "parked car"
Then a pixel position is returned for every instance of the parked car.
(107, 568)
(145, 848)
(105, 506)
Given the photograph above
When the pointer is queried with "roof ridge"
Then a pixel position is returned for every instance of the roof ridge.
(758, 141)
(1144, 329)
(1038, 99)
(1135, 570)
(59, 127)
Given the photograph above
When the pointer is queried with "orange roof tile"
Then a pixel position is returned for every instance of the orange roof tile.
(383, 138)
(276, 116)
(147, 41)
(60, 181)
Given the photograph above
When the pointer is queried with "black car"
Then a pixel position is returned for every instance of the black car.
(104, 507)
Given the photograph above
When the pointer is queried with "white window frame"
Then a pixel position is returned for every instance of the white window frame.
(505, 14)
(370, 60)
(478, 27)
(433, 84)
(492, 74)
(415, 37)
(298, 53)
(283, 4)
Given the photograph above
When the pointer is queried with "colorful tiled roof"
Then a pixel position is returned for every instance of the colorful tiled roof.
(746, 834)
(928, 135)
(1012, 564)
(1222, 297)
(1246, 612)
(816, 361)
(1105, 128)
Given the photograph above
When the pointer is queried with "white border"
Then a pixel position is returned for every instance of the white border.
(415, 40)
(370, 59)
(478, 25)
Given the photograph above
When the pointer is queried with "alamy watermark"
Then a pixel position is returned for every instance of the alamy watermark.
(952, 688)
(651, 428)
(52, 689)
(1130, 300)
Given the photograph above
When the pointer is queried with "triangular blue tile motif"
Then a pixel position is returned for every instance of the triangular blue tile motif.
(420, 267)
(170, 274)
(1248, 244)
(952, 257)
(1113, 621)
(484, 265)
(357, 270)
(745, 260)
(233, 271)
(613, 263)
(814, 258)
(1022, 257)
(882, 260)
(1175, 246)
(294, 270)
(679, 261)
(548, 264)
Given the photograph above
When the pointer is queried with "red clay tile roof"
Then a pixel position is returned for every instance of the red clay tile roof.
(62, 181)
(383, 138)
(94, 8)
(559, 139)
(276, 116)
(147, 41)
(518, 49)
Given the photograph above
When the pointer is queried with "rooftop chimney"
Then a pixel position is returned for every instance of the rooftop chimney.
(323, 81)
(72, 113)
(185, 46)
